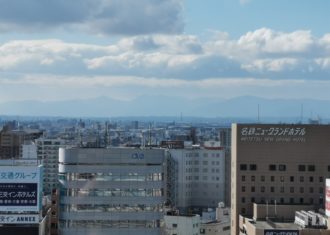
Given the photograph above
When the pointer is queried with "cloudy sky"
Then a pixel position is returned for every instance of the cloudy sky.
(220, 49)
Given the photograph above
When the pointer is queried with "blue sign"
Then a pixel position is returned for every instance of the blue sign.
(137, 156)
(18, 194)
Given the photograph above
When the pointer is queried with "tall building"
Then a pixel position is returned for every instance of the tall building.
(47, 152)
(197, 177)
(278, 164)
(112, 190)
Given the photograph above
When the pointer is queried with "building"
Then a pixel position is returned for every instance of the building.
(217, 224)
(12, 140)
(112, 190)
(47, 152)
(278, 164)
(183, 225)
(196, 177)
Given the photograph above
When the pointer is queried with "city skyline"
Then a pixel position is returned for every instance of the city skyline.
(189, 50)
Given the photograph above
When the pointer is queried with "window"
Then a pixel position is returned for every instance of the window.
(282, 200)
(262, 189)
(253, 178)
(243, 199)
(272, 189)
(311, 190)
(321, 190)
(282, 189)
(282, 178)
(226, 228)
(262, 178)
(301, 168)
(243, 167)
(291, 200)
(311, 167)
(328, 168)
(282, 167)
(253, 189)
(301, 189)
(272, 167)
(253, 199)
(272, 178)
(311, 201)
(174, 225)
(291, 178)
(301, 178)
(243, 211)
(291, 189)
(311, 179)
(320, 179)
(253, 167)
(243, 178)
(243, 188)
(301, 200)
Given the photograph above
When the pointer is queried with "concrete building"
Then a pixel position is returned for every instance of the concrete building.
(278, 165)
(112, 190)
(220, 225)
(47, 152)
(182, 225)
(197, 178)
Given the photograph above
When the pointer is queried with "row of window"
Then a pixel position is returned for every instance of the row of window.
(279, 167)
(110, 224)
(282, 178)
(205, 163)
(112, 208)
(281, 189)
(204, 170)
(112, 176)
(115, 192)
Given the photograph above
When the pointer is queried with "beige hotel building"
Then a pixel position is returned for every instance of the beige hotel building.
(275, 164)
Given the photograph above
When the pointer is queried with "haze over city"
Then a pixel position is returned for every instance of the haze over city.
(191, 51)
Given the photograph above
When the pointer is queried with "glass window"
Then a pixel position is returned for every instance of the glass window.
(253, 167)
(243, 167)
(272, 167)
(253, 178)
(301, 178)
(311, 179)
(243, 178)
(272, 178)
(272, 189)
(282, 167)
(291, 178)
(262, 178)
(301, 168)
(311, 167)
(262, 189)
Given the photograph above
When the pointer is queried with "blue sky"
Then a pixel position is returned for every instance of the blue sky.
(124, 49)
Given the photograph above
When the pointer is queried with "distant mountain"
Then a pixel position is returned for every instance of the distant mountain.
(245, 107)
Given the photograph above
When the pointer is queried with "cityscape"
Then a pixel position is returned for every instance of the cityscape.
(164, 117)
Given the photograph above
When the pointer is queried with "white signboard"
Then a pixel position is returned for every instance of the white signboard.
(327, 197)
(273, 134)
(19, 219)
(20, 188)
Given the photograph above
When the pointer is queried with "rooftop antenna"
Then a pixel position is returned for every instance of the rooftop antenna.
(149, 140)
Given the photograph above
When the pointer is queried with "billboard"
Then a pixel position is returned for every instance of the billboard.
(20, 188)
(327, 197)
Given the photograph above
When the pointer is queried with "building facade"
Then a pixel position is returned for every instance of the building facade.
(197, 177)
(277, 164)
(112, 190)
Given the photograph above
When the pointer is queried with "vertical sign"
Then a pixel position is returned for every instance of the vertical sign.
(327, 197)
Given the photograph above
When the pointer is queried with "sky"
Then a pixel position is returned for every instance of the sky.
(124, 49)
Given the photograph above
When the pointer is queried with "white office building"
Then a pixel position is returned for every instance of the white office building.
(112, 191)
(47, 152)
(197, 175)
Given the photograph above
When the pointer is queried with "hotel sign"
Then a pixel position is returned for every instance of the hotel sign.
(19, 219)
(273, 134)
(280, 232)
